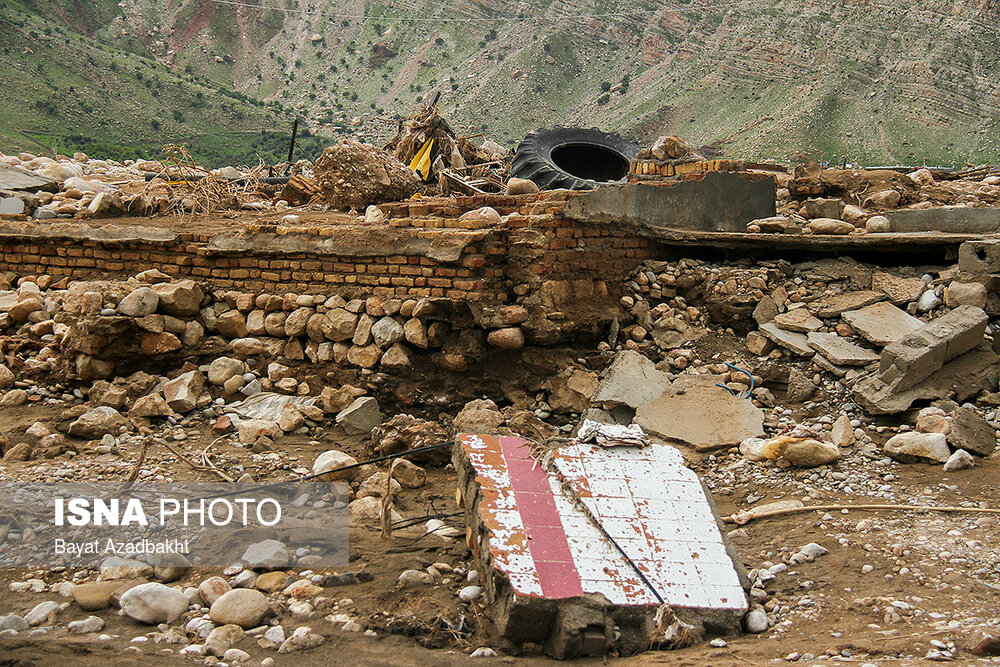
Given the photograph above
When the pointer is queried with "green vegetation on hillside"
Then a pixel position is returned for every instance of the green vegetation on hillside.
(876, 82)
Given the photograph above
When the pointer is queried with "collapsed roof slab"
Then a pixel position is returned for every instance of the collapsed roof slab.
(589, 552)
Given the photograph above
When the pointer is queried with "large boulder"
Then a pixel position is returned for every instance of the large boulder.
(352, 175)
(912, 446)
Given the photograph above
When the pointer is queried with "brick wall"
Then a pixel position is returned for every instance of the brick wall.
(535, 244)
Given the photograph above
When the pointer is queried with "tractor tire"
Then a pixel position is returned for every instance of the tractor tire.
(573, 158)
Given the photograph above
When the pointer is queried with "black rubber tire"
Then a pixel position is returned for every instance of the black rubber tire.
(597, 157)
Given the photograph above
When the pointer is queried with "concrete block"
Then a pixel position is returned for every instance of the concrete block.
(955, 220)
(918, 355)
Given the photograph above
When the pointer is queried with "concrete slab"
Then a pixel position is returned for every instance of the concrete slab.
(841, 351)
(799, 320)
(631, 380)
(882, 323)
(544, 529)
(789, 340)
(831, 306)
(696, 412)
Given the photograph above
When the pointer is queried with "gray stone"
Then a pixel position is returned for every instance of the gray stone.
(223, 638)
(11, 206)
(755, 621)
(957, 219)
(899, 290)
(16, 178)
(765, 311)
(13, 622)
(331, 461)
(790, 340)
(971, 432)
(387, 331)
(87, 625)
(631, 380)
(697, 412)
(959, 460)
(830, 226)
(800, 387)
(961, 378)
(224, 368)
(840, 350)
(154, 603)
(267, 554)
(881, 323)
(912, 446)
(181, 299)
(41, 613)
(183, 391)
(139, 303)
(360, 417)
(929, 300)
(965, 294)
(799, 320)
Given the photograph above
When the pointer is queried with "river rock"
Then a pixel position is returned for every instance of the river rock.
(154, 603)
(244, 607)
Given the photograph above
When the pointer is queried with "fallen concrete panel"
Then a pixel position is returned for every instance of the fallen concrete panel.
(16, 178)
(631, 380)
(721, 202)
(558, 580)
(882, 323)
(960, 379)
(841, 351)
(948, 219)
(439, 245)
(697, 412)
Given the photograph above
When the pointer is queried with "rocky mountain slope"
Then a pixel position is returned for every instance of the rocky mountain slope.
(875, 81)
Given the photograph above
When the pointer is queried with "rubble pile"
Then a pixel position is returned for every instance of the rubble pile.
(838, 202)
(80, 187)
(809, 386)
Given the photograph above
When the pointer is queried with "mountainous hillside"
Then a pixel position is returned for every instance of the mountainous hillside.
(881, 81)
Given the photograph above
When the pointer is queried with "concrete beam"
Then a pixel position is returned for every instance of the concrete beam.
(721, 202)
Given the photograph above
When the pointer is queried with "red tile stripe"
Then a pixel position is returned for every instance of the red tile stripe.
(549, 548)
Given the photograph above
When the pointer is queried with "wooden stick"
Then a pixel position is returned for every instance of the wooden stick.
(743, 518)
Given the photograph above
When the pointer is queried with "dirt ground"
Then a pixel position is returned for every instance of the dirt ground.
(891, 583)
